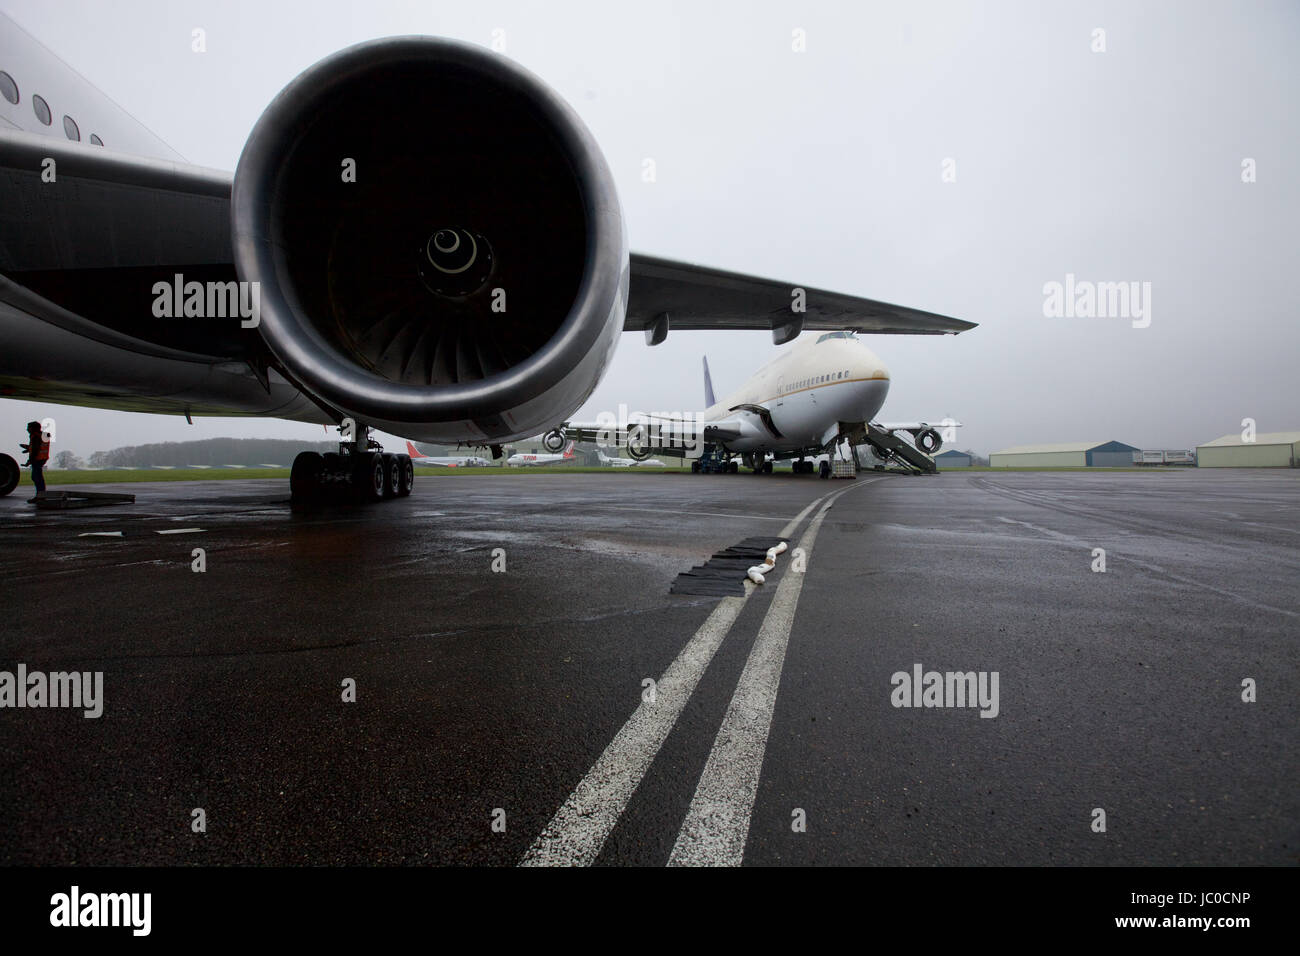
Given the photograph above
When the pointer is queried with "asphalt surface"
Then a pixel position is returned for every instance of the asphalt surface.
(516, 697)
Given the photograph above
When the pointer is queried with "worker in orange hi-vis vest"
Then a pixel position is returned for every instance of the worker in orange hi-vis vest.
(38, 453)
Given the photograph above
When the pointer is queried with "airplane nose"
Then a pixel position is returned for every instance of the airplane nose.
(872, 377)
(870, 366)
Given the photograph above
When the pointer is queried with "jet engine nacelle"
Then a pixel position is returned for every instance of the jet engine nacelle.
(437, 240)
(638, 442)
(929, 441)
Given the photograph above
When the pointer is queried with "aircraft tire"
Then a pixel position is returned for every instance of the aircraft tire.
(825, 470)
(368, 477)
(406, 472)
(10, 474)
(392, 477)
(304, 476)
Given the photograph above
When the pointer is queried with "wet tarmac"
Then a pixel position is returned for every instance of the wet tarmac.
(527, 689)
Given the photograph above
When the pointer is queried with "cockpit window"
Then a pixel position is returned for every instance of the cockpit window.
(42, 109)
(834, 335)
(70, 129)
(8, 88)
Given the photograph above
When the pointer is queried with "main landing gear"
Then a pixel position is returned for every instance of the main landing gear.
(360, 471)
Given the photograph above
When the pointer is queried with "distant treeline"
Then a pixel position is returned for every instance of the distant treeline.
(207, 451)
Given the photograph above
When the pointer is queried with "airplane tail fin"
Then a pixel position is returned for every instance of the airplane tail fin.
(709, 400)
(568, 451)
(410, 450)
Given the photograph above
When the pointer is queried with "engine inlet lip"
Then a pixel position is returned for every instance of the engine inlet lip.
(259, 252)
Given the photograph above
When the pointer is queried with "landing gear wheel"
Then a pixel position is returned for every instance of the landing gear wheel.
(392, 478)
(9, 475)
(767, 467)
(695, 468)
(304, 476)
(732, 467)
(406, 475)
(825, 470)
(369, 477)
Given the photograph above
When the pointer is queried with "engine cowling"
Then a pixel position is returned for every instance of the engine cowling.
(437, 239)
(638, 442)
(929, 441)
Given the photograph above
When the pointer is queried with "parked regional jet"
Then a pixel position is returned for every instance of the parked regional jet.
(528, 460)
(628, 462)
(447, 461)
(349, 271)
(819, 392)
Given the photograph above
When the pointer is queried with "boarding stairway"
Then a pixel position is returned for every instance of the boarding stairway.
(891, 447)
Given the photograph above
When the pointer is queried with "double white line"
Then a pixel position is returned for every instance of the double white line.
(717, 823)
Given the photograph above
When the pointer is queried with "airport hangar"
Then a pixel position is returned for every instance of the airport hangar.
(953, 459)
(1268, 450)
(1077, 454)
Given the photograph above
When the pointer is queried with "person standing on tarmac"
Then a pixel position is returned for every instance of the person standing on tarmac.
(38, 453)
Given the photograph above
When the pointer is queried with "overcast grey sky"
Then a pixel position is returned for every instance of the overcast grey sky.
(824, 168)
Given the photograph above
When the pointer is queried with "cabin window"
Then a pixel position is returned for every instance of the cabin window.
(41, 109)
(95, 140)
(70, 129)
(8, 88)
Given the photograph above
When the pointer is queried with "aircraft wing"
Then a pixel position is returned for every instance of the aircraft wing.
(672, 437)
(668, 295)
(667, 429)
(916, 426)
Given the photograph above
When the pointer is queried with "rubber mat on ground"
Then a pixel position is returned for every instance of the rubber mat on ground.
(723, 575)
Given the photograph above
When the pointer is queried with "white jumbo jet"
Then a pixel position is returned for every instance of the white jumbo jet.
(447, 461)
(821, 391)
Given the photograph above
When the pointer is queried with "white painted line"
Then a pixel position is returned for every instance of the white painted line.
(717, 823)
(179, 531)
(578, 830)
(100, 534)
